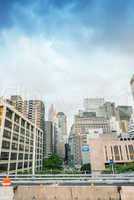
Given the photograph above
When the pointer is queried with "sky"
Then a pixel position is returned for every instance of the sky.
(62, 51)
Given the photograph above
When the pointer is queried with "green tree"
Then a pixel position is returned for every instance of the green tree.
(54, 162)
(86, 168)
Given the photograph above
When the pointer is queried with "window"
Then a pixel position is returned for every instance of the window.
(7, 134)
(5, 144)
(14, 146)
(21, 147)
(16, 128)
(16, 118)
(15, 137)
(112, 153)
(3, 167)
(22, 139)
(25, 164)
(12, 166)
(9, 113)
(13, 156)
(26, 156)
(22, 131)
(20, 156)
(131, 151)
(121, 152)
(4, 156)
(22, 122)
(116, 153)
(20, 165)
(8, 124)
(127, 152)
(106, 153)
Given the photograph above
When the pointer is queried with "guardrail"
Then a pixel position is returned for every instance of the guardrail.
(70, 179)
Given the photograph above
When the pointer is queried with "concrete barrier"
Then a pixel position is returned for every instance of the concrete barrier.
(6, 193)
(127, 193)
(66, 193)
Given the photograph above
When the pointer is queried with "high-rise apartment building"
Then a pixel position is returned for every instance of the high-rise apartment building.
(61, 134)
(132, 85)
(34, 110)
(21, 142)
(17, 102)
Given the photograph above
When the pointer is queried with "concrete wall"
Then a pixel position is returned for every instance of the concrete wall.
(6, 193)
(66, 193)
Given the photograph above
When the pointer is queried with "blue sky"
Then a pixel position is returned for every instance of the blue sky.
(63, 50)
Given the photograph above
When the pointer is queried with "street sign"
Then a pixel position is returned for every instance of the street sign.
(111, 162)
(85, 148)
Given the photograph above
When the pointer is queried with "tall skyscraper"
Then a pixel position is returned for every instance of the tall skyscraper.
(61, 134)
(34, 110)
(48, 139)
(132, 85)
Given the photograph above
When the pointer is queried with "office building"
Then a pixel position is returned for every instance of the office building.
(107, 148)
(84, 121)
(61, 134)
(123, 114)
(48, 139)
(93, 104)
(21, 142)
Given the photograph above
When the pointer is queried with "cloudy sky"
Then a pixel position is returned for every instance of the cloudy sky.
(65, 50)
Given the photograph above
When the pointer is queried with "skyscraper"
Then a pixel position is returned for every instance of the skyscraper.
(17, 102)
(93, 104)
(124, 114)
(132, 85)
(61, 134)
(34, 110)
(48, 139)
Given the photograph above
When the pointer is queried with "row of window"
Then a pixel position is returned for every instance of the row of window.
(4, 167)
(116, 152)
(5, 156)
(6, 145)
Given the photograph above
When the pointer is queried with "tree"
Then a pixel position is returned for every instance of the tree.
(54, 162)
(86, 168)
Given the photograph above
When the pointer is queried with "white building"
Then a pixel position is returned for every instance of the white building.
(21, 142)
(93, 104)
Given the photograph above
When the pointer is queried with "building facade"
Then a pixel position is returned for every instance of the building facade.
(123, 114)
(93, 104)
(48, 139)
(61, 134)
(105, 148)
(84, 121)
(21, 142)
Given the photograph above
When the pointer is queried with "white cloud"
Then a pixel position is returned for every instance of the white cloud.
(62, 73)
